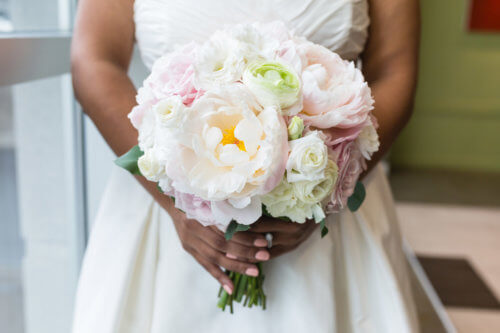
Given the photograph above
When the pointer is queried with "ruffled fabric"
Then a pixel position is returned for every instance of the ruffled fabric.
(340, 25)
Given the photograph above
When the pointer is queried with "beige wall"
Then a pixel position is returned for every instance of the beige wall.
(456, 122)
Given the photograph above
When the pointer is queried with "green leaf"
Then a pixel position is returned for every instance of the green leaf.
(357, 198)
(324, 229)
(161, 191)
(233, 228)
(128, 161)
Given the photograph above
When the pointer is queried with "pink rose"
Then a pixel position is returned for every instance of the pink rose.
(351, 164)
(335, 93)
(173, 74)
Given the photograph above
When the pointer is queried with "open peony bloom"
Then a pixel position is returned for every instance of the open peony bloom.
(335, 93)
(229, 149)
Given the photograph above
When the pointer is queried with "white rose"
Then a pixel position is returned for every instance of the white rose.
(169, 111)
(308, 158)
(283, 201)
(367, 141)
(313, 192)
(149, 166)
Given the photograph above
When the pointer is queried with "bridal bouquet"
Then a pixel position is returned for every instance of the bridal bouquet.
(254, 121)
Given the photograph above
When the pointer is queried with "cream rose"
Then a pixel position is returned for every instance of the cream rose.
(149, 166)
(284, 201)
(169, 111)
(313, 192)
(308, 158)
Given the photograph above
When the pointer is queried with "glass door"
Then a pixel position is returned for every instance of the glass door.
(42, 198)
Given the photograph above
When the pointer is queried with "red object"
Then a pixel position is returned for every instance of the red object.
(484, 15)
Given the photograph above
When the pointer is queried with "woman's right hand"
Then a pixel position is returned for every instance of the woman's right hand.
(209, 247)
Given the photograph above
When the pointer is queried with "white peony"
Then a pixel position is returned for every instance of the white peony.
(228, 148)
(260, 40)
(220, 60)
(308, 158)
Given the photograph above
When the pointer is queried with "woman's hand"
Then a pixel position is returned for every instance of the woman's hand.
(209, 247)
(287, 236)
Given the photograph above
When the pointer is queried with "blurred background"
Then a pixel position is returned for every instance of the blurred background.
(444, 169)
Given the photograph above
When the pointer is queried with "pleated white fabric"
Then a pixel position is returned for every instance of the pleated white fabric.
(137, 278)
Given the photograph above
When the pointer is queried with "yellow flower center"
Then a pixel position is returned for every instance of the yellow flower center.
(228, 138)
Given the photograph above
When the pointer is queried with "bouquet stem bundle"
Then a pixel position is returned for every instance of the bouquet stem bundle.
(247, 289)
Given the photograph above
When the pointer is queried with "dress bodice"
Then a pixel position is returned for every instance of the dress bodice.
(340, 25)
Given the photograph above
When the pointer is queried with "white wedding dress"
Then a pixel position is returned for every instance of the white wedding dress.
(137, 278)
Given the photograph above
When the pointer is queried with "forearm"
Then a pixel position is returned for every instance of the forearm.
(107, 95)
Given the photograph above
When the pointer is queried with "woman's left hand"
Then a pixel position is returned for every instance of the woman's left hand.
(287, 236)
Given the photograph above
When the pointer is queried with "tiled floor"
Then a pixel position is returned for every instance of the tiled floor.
(473, 233)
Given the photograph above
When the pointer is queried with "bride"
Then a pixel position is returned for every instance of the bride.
(150, 269)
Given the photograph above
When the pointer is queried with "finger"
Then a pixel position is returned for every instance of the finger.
(234, 249)
(247, 238)
(216, 272)
(245, 253)
(220, 259)
(267, 224)
(290, 239)
(210, 236)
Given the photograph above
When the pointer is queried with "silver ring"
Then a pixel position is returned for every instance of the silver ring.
(269, 238)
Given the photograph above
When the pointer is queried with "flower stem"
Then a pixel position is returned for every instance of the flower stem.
(246, 286)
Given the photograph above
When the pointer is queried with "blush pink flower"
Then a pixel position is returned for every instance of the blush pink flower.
(351, 164)
(173, 74)
(145, 101)
(194, 207)
(335, 93)
(336, 135)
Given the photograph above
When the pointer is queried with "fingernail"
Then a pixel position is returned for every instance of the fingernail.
(260, 242)
(252, 272)
(230, 256)
(262, 255)
(228, 289)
